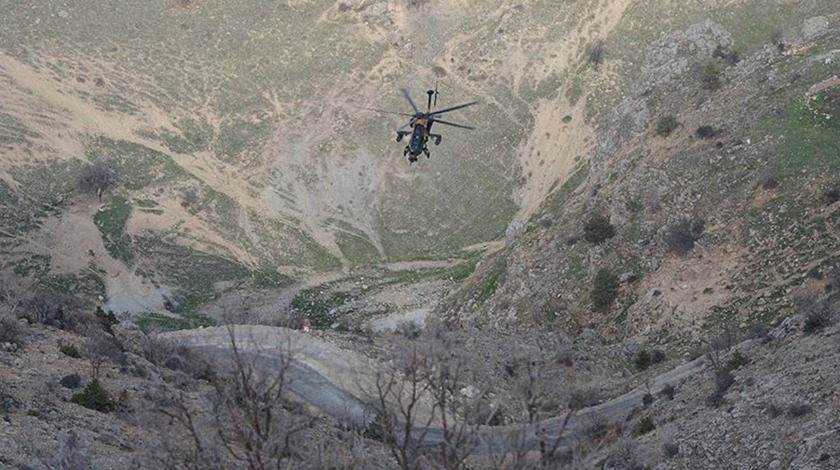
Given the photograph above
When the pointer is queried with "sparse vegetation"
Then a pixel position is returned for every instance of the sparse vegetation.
(666, 125)
(111, 222)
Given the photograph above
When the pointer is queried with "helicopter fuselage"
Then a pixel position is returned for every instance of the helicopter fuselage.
(419, 136)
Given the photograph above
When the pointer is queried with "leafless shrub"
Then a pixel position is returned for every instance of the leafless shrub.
(670, 449)
(668, 391)
(706, 132)
(777, 37)
(8, 402)
(57, 310)
(817, 312)
(189, 197)
(251, 424)
(428, 371)
(173, 355)
(71, 381)
(797, 410)
(72, 453)
(626, 456)
(681, 236)
(759, 332)
(597, 52)
(95, 178)
(723, 380)
(409, 329)
(830, 196)
(832, 278)
(11, 330)
(773, 409)
(584, 398)
(769, 178)
(729, 56)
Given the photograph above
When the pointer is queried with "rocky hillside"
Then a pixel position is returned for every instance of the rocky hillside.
(637, 194)
(709, 200)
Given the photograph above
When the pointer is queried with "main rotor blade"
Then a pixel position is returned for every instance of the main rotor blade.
(454, 125)
(410, 101)
(454, 108)
(389, 112)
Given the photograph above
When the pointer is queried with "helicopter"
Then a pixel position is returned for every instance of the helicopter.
(421, 124)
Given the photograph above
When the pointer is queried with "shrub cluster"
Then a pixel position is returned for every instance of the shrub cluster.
(706, 132)
(645, 358)
(604, 289)
(681, 236)
(645, 426)
(69, 350)
(95, 397)
(710, 78)
(666, 125)
(10, 331)
(598, 229)
(71, 381)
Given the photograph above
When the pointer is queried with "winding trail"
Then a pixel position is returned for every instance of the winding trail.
(337, 382)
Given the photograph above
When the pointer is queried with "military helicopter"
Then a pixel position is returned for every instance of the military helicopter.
(421, 124)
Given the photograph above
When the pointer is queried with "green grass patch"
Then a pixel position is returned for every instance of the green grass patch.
(804, 142)
(194, 136)
(13, 131)
(136, 166)
(111, 221)
(357, 249)
(267, 277)
(198, 275)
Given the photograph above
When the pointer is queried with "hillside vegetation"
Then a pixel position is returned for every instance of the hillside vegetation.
(636, 248)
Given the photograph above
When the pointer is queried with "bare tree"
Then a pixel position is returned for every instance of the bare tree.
(253, 423)
(429, 415)
(99, 349)
(400, 424)
(72, 453)
(95, 178)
